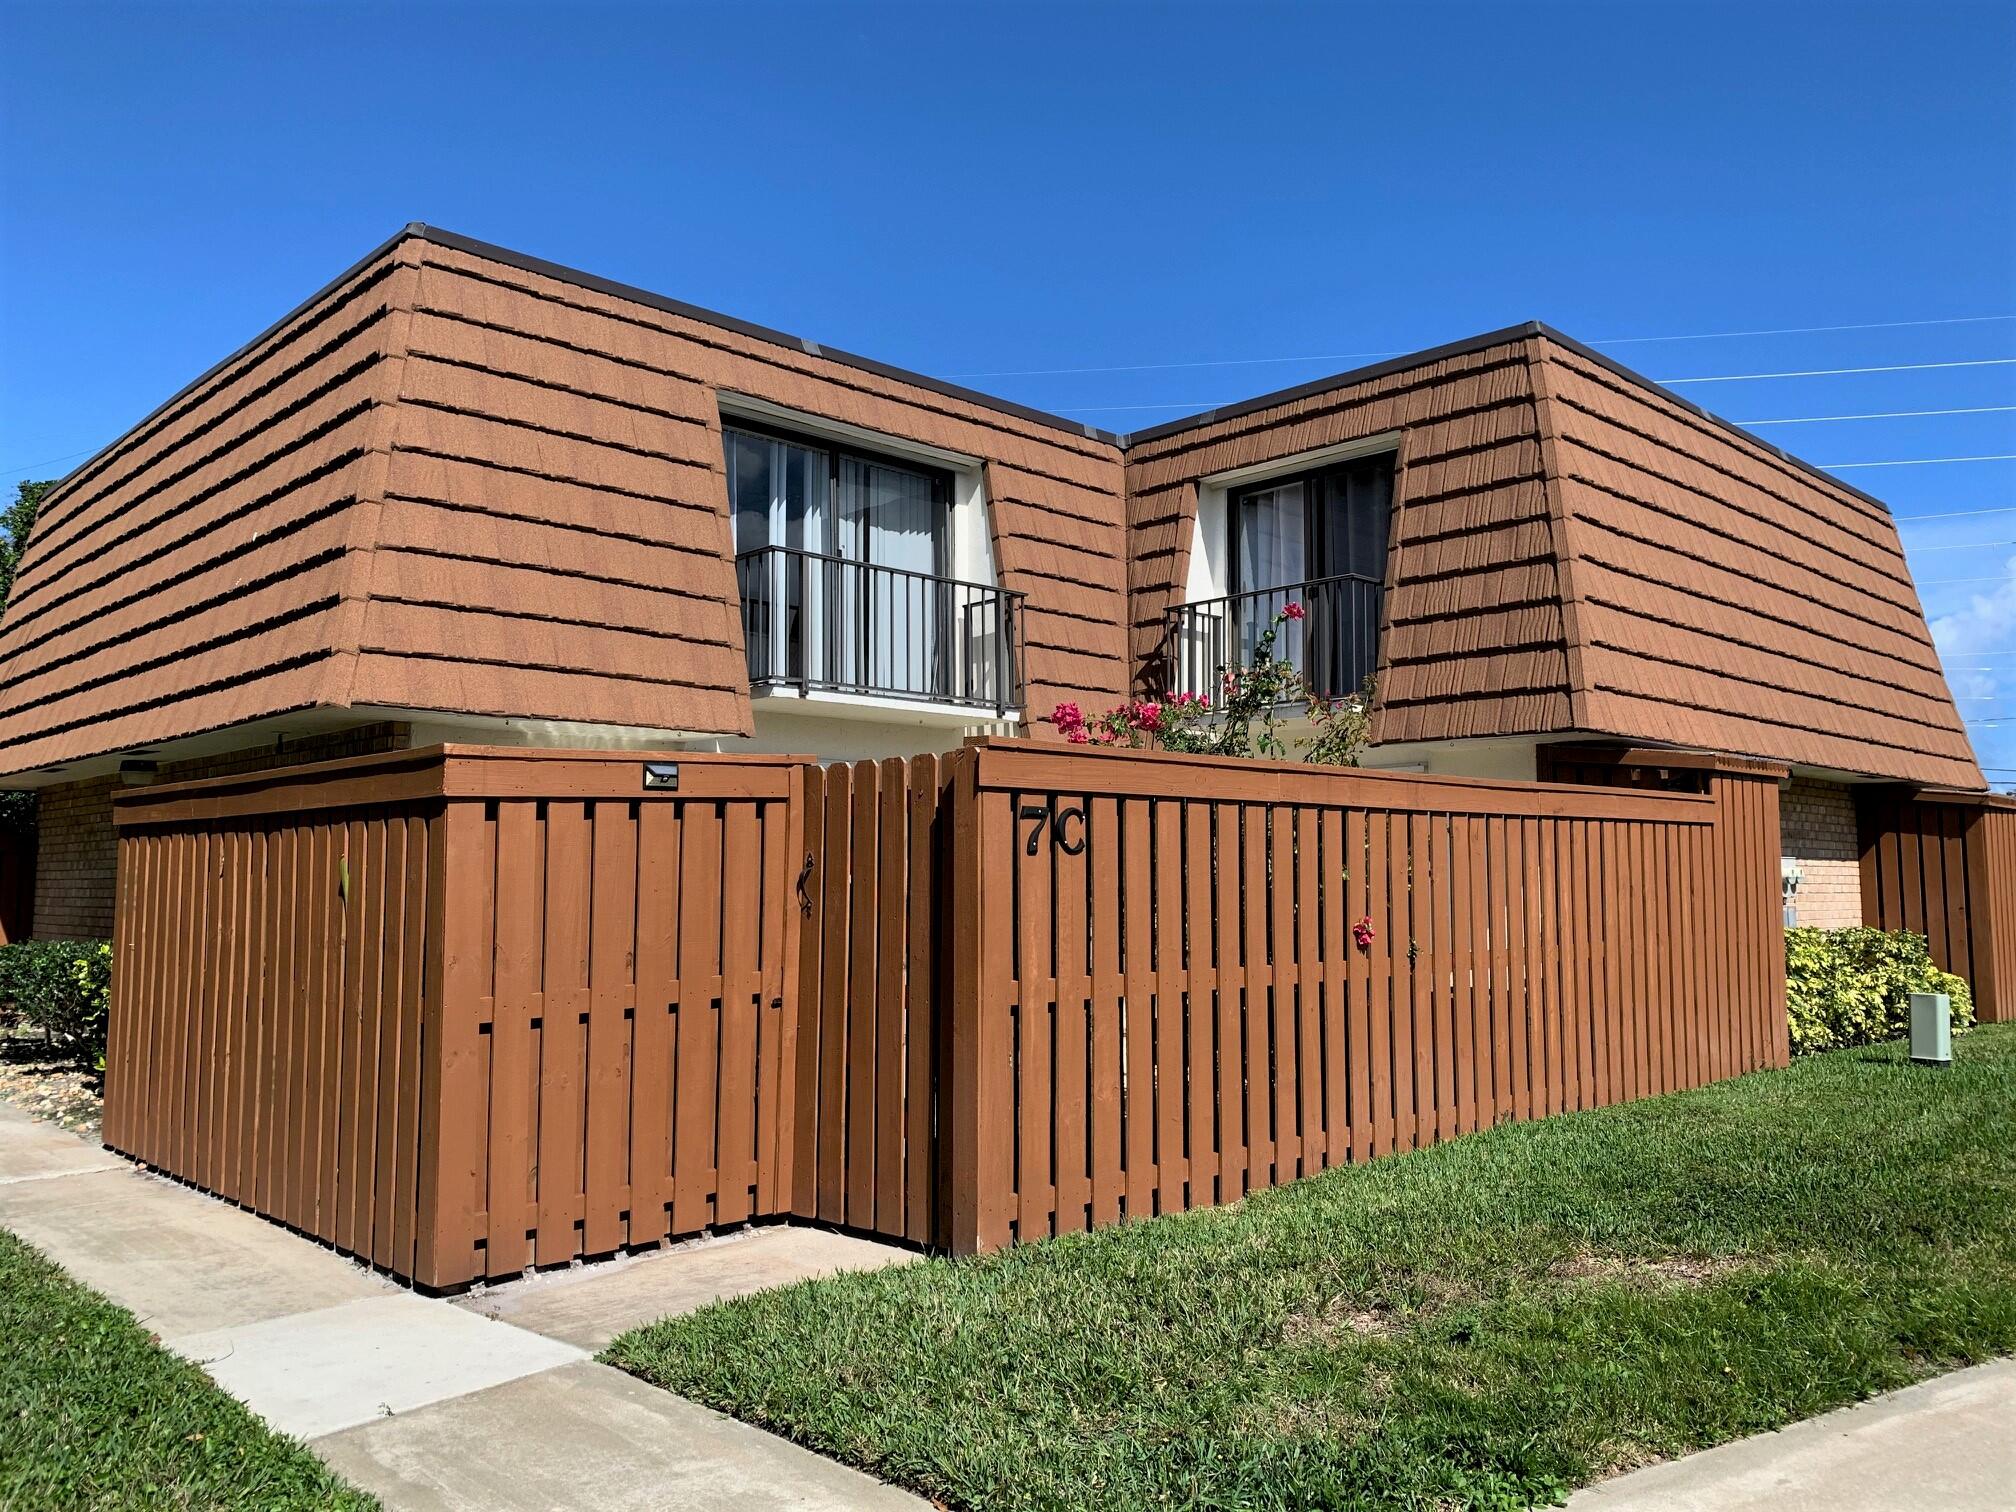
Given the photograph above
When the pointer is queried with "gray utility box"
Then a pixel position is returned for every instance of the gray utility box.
(1931, 1029)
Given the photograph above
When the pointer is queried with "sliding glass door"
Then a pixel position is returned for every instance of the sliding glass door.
(890, 517)
(842, 560)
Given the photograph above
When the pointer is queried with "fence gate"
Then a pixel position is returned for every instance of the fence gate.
(875, 979)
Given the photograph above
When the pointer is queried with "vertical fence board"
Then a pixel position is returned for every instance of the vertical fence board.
(1170, 1006)
(1229, 976)
(893, 888)
(1457, 955)
(1108, 1182)
(392, 947)
(658, 873)
(561, 1098)
(1308, 998)
(741, 986)
(1331, 936)
(810, 901)
(836, 870)
(1200, 1017)
(923, 991)
(1137, 1069)
(1072, 1150)
(1384, 1021)
(611, 1012)
(694, 1174)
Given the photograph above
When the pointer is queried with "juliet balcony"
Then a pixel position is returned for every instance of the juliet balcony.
(1335, 645)
(818, 624)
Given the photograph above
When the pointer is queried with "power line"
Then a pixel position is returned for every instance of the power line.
(1977, 409)
(1918, 461)
(1874, 325)
(1955, 514)
(1152, 367)
(1891, 367)
(31, 466)
(1156, 367)
(1961, 546)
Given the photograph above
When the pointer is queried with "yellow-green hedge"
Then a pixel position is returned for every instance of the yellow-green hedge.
(1854, 986)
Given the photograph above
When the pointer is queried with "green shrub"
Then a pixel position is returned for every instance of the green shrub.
(62, 987)
(1853, 986)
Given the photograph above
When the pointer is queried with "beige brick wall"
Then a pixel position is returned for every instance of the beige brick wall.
(1816, 823)
(77, 856)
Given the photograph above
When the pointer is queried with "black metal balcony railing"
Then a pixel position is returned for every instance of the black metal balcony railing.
(826, 623)
(1335, 645)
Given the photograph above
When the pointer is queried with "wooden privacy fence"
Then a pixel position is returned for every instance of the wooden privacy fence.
(1044, 990)
(462, 1010)
(1944, 865)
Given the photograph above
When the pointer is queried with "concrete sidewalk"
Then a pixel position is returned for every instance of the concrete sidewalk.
(1948, 1445)
(487, 1401)
(493, 1399)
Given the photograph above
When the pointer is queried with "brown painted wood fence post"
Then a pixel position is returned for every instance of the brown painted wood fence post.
(1987, 841)
(1779, 1036)
(459, 927)
(969, 1092)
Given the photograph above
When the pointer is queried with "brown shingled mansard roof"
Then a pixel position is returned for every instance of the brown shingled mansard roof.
(466, 480)
(1579, 549)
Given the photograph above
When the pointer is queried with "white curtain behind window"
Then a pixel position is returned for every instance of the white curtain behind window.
(888, 516)
(779, 491)
(1273, 550)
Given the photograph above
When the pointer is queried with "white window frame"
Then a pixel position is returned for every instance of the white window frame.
(1211, 537)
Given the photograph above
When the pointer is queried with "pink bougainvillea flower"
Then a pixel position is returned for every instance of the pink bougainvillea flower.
(1363, 933)
(1076, 735)
(1067, 717)
(1292, 611)
(1148, 715)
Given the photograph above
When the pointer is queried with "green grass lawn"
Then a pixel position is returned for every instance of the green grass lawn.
(1488, 1323)
(94, 1413)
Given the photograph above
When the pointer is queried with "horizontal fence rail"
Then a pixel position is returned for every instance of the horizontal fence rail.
(831, 624)
(1334, 645)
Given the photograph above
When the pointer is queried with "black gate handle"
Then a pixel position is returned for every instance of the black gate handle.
(804, 876)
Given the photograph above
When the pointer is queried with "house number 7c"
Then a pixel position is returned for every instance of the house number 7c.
(1060, 822)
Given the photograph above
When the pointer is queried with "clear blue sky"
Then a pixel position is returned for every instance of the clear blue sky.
(992, 189)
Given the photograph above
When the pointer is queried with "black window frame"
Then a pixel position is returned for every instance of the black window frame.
(837, 450)
(1312, 504)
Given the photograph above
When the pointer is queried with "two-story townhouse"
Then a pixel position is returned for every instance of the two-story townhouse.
(465, 494)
